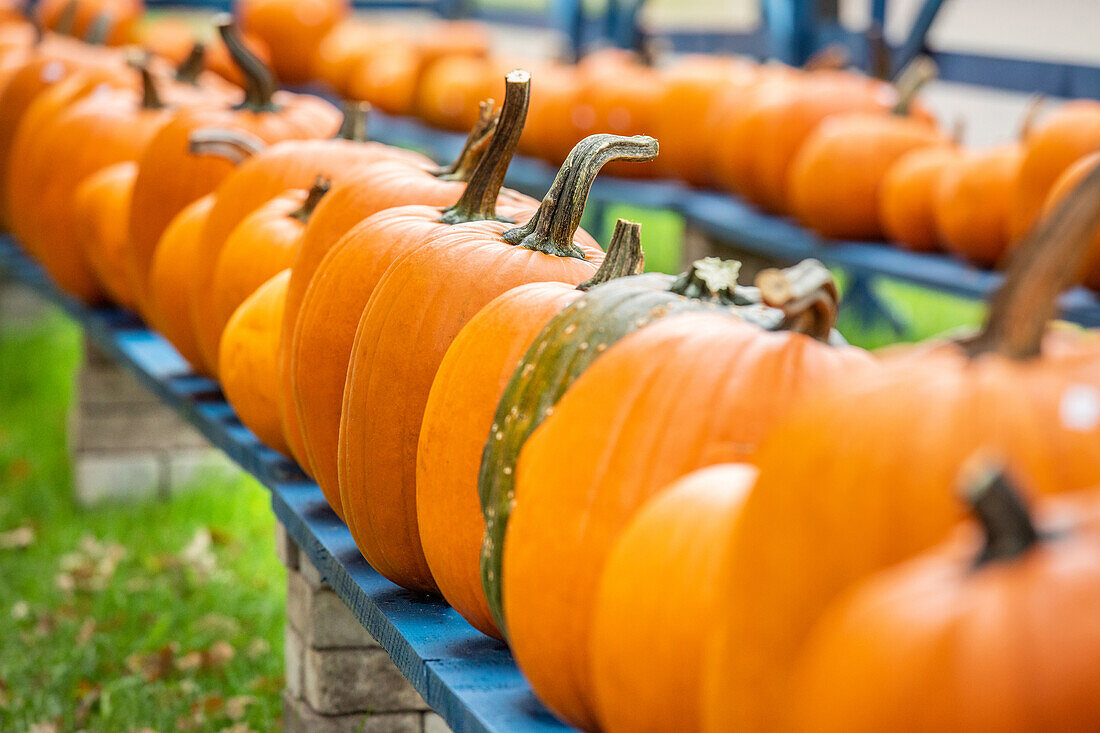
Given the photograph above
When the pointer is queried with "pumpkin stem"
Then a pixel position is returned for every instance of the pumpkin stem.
(36, 24)
(911, 79)
(150, 95)
(624, 256)
(1049, 260)
(479, 200)
(188, 71)
(958, 131)
(320, 187)
(474, 147)
(66, 21)
(807, 295)
(259, 87)
(100, 29)
(354, 125)
(710, 278)
(553, 226)
(233, 145)
(879, 51)
(1035, 104)
(832, 57)
(1000, 509)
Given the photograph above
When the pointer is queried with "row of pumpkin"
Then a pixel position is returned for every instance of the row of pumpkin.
(851, 157)
(681, 500)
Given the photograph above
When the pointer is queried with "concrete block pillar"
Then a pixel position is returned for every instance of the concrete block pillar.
(338, 679)
(126, 444)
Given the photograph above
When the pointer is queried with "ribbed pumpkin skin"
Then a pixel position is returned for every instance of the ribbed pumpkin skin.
(343, 48)
(1002, 647)
(1068, 134)
(261, 246)
(906, 205)
(158, 198)
(169, 308)
(457, 421)
(319, 347)
(686, 392)
(124, 14)
(852, 500)
(292, 29)
(553, 98)
(248, 357)
(1061, 188)
(973, 203)
(48, 164)
(836, 177)
(289, 164)
(400, 341)
(101, 203)
(658, 595)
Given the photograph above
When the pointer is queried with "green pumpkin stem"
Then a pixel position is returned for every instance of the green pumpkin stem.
(479, 200)
(66, 21)
(1000, 509)
(191, 67)
(320, 187)
(150, 94)
(354, 125)
(1049, 260)
(100, 30)
(833, 57)
(233, 145)
(259, 87)
(474, 147)
(710, 278)
(624, 256)
(552, 228)
(879, 51)
(1035, 104)
(807, 295)
(911, 80)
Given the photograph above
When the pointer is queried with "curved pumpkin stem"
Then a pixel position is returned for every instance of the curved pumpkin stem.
(100, 29)
(474, 147)
(807, 295)
(1035, 104)
(66, 21)
(320, 187)
(1001, 511)
(1048, 261)
(552, 228)
(624, 256)
(233, 145)
(354, 125)
(881, 56)
(191, 67)
(832, 57)
(150, 95)
(259, 87)
(479, 200)
(911, 80)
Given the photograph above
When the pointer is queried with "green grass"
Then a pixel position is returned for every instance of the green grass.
(164, 615)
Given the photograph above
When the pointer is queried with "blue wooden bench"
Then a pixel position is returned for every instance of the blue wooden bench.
(469, 679)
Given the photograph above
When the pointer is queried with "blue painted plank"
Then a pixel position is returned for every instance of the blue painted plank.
(469, 679)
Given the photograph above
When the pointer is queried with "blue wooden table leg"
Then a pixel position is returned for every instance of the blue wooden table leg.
(871, 310)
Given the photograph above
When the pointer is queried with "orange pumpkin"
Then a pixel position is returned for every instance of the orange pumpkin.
(219, 59)
(123, 15)
(268, 115)
(842, 479)
(459, 414)
(343, 48)
(1059, 191)
(732, 381)
(664, 575)
(973, 203)
(339, 273)
(450, 88)
(292, 29)
(52, 157)
(101, 204)
(398, 340)
(248, 361)
(681, 121)
(1050, 147)
(937, 629)
(169, 306)
(906, 202)
(284, 165)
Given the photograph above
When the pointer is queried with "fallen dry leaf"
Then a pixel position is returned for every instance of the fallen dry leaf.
(87, 629)
(235, 707)
(155, 666)
(17, 539)
(43, 727)
(20, 610)
(258, 648)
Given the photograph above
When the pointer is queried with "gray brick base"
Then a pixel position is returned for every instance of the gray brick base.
(20, 307)
(337, 677)
(125, 444)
